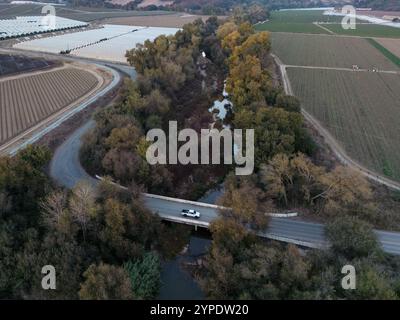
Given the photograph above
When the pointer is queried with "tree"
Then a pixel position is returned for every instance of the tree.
(291, 179)
(289, 103)
(257, 45)
(82, 205)
(123, 138)
(277, 132)
(117, 232)
(54, 210)
(344, 188)
(372, 283)
(105, 282)
(352, 238)
(145, 276)
(247, 83)
(296, 180)
(245, 202)
(226, 29)
(22, 182)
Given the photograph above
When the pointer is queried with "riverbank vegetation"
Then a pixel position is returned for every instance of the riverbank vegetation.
(239, 265)
(99, 241)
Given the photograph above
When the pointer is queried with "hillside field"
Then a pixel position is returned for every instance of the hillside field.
(328, 51)
(360, 109)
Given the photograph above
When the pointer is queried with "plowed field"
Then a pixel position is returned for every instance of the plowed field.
(28, 100)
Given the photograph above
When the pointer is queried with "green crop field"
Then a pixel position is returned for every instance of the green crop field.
(365, 30)
(360, 109)
(329, 51)
(302, 21)
(385, 51)
(296, 21)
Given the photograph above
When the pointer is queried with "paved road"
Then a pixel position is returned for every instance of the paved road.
(65, 166)
(66, 169)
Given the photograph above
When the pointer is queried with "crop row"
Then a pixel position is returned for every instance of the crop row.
(360, 109)
(328, 51)
(26, 101)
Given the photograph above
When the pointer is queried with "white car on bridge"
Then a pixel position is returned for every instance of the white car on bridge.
(190, 213)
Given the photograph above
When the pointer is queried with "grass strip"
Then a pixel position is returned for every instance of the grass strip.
(388, 54)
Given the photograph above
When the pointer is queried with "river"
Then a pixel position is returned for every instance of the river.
(176, 282)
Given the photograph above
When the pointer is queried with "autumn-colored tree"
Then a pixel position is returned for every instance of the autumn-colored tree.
(257, 45)
(245, 202)
(106, 282)
(296, 180)
(226, 29)
(344, 188)
(291, 179)
(247, 83)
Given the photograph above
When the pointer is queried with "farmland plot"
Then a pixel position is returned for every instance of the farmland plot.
(328, 51)
(366, 30)
(300, 21)
(393, 45)
(360, 109)
(26, 101)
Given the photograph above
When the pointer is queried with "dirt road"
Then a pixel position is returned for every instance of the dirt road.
(330, 140)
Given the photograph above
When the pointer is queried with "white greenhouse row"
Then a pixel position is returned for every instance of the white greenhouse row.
(107, 43)
(29, 25)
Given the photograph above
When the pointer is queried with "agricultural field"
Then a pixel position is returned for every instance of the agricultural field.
(360, 109)
(145, 3)
(14, 64)
(303, 21)
(387, 53)
(328, 51)
(27, 100)
(393, 45)
(176, 20)
(85, 14)
(365, 30)
(298, 21)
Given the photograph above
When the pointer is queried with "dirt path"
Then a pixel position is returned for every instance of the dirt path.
(331, 35)
(331, 141)
(323, 28)
(341, 69)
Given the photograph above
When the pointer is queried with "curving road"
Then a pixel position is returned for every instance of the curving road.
(66, 170)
